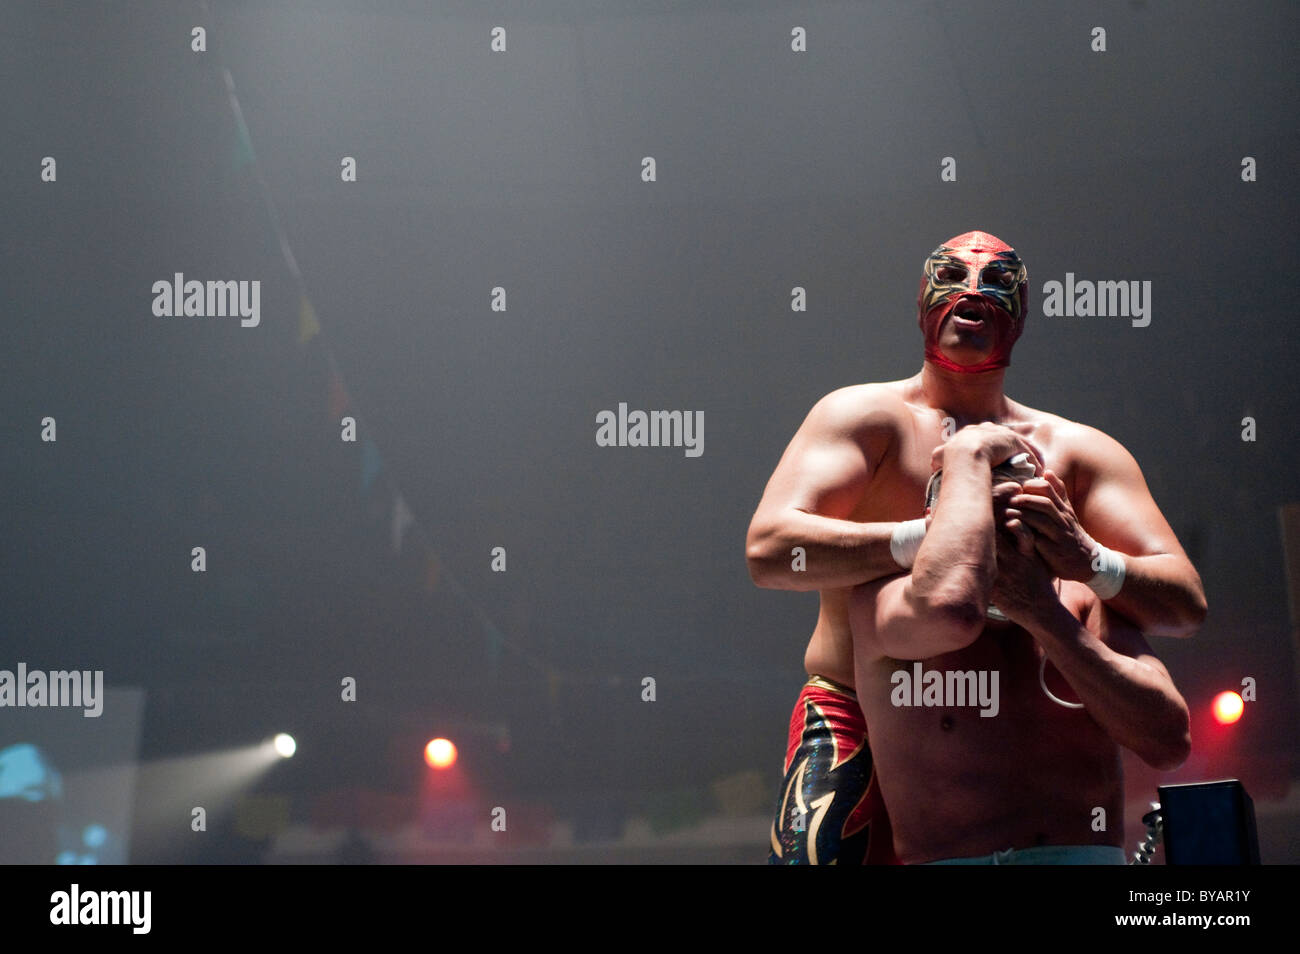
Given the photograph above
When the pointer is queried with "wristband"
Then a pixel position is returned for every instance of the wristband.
(906, 541)
(1109, 572)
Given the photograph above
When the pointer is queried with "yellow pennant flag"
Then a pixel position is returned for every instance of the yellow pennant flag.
(308, 324)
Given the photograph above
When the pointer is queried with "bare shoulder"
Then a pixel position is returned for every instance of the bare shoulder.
(1075, 446)
(859, 409)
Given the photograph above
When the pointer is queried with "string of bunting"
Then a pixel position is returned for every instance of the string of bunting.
(403, 522)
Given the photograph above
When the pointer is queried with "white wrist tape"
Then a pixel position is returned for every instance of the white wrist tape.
(906, 541)
(1109, 569)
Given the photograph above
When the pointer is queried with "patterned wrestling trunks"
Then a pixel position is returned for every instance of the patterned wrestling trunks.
(829, 810)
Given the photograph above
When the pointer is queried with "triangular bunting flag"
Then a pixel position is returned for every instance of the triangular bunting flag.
(494, 641)
(242, 152)
(370, 464)
(402, 518)
(553, 679)
(432, 570)
(338, 397)
(308, 324)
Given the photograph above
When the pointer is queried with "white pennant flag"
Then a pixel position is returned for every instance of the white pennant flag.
(402, 518)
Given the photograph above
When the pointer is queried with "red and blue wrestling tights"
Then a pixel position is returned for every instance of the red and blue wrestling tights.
(830, 810)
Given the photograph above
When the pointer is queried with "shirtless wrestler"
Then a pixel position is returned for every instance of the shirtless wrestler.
(1020, 779)
(850, 489)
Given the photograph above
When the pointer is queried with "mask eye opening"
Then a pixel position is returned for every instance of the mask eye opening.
(999, 277)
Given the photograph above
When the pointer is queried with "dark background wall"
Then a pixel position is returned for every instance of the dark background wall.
(522, 169)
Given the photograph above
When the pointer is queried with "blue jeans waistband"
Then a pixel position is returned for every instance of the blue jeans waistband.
(1046, 855)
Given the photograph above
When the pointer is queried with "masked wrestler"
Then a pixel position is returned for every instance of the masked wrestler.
(980, 760)
(849, 491)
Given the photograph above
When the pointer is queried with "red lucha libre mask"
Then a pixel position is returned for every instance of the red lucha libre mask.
(984, 275)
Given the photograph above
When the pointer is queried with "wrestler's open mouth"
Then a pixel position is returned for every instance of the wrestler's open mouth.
(968, 315)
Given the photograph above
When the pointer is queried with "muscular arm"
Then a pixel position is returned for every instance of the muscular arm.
(940, 607)
(957, 562)
(1162, 591)
(818, 483)
(1121, 684)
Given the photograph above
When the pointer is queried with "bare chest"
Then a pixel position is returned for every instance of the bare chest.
(897, 487)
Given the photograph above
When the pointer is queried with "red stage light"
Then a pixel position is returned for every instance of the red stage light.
(1227, 708)
(440, 753)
